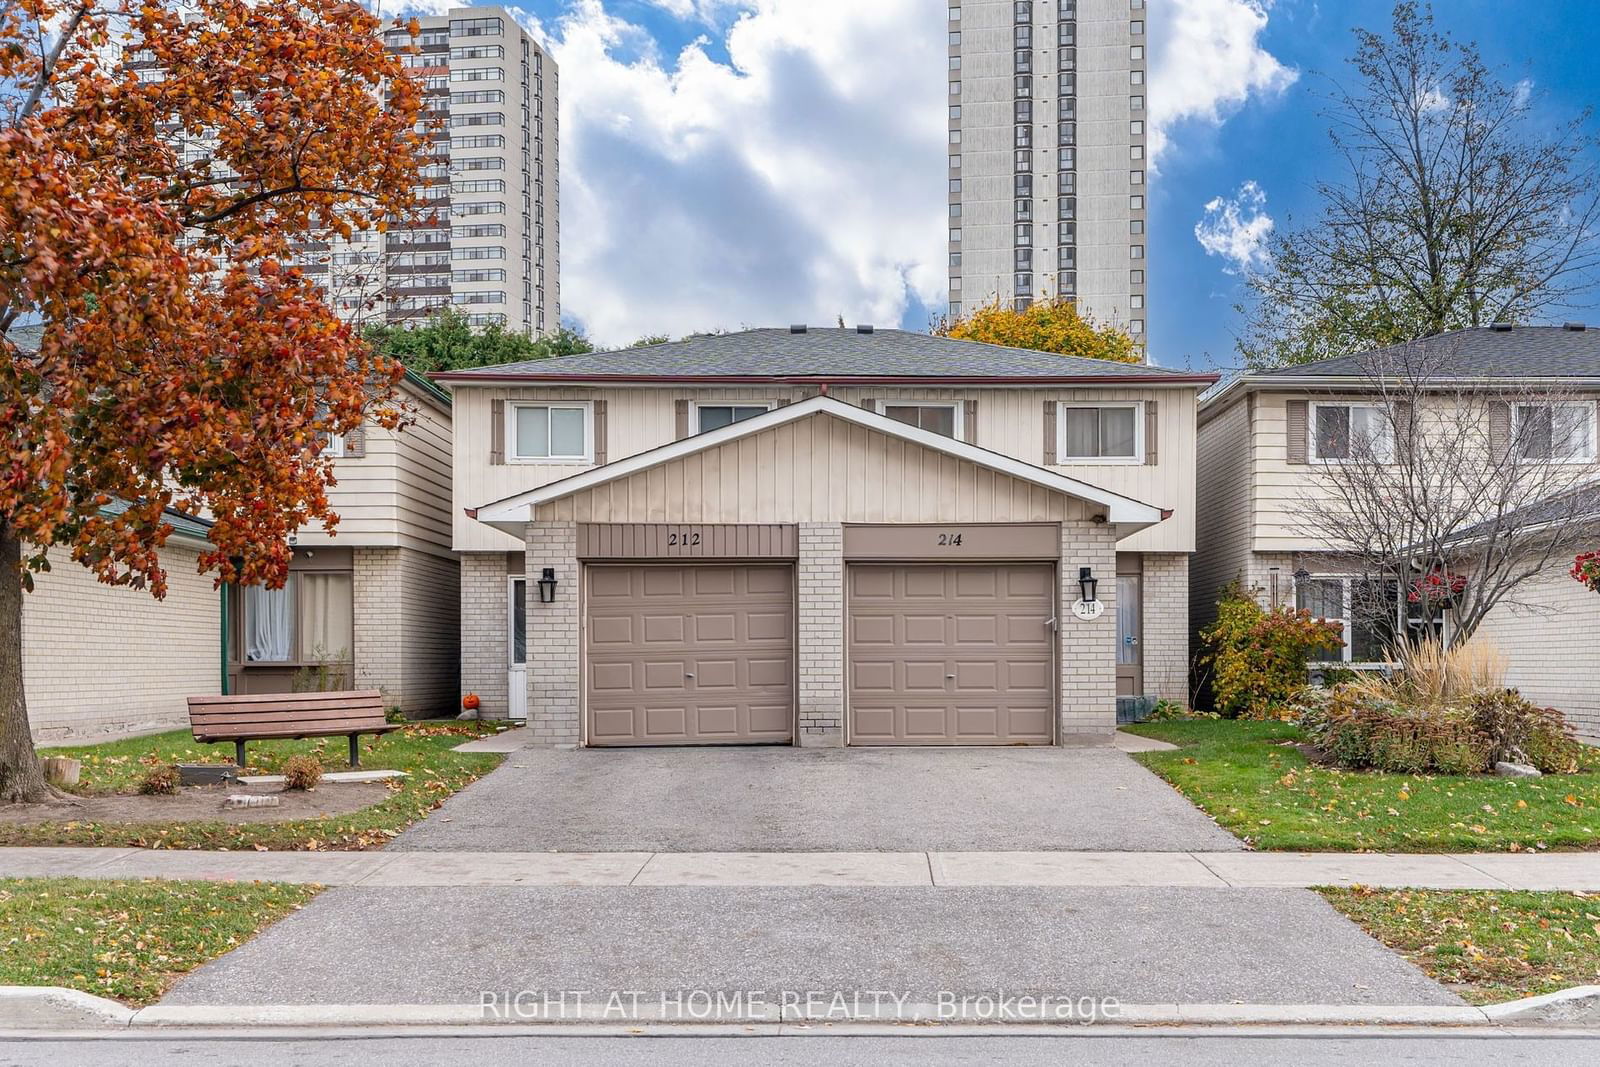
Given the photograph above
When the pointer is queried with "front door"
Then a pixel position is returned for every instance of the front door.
(1130, 635)
(517, 647)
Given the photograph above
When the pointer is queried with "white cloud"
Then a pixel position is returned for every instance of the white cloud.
(1236, 228)
(1522, 93)
(789, 184)
(1207, 62)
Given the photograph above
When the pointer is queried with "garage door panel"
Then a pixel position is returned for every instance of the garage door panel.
(951, 654)
(922, 629)
(767, 626)
(686, 654)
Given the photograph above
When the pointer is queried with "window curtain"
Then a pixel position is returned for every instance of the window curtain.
(327, 617)
(267, 615)
(1116, 431)
(1082, 431)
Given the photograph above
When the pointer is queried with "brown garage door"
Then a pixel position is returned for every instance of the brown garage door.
(951, 655)
(690, 655)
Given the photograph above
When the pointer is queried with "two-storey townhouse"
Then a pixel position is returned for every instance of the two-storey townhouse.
(373, 604)
(1265, 443)
(823, 537)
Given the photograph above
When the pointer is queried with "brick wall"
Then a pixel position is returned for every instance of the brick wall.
(820, 641)
(1166, 625)
(99, 661)
(484, 657)
(1088, 649)
(407, 628)
(553, 630)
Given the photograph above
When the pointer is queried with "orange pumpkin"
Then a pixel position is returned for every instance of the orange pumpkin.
(470, 702)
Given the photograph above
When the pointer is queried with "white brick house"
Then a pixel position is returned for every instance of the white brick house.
(822, 537)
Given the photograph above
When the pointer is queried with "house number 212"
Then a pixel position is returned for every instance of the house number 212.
(688, 537)
(950, 539)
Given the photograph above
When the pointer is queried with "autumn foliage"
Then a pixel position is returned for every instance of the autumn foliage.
(1049, 325)
(152, 198)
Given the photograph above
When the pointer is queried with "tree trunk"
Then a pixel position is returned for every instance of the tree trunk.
(21, 776)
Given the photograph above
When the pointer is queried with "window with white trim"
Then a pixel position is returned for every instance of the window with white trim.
(549, 433)
(1341, 432)
(1559, 433)
(716, 416)
(941, 418)
(517, 610)
(1101, 433)
(333, 448)
(1367, 610)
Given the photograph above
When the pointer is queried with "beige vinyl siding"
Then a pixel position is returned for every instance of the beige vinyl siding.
(100, 660)
(1545, 636)
(1009, 421)
(1280, 488)
(1224, 489)
(398, 492)
(819, 469)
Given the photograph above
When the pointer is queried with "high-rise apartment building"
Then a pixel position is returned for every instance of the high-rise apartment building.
(488, 242)
(1047, 155)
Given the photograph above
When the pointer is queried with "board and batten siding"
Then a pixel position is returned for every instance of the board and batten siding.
(819, 469)
(1008, 421)
(397, 493)
(1223, 481)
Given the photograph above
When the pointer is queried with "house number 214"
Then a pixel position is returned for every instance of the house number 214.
(950, 539)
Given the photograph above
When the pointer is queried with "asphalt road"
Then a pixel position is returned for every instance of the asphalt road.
(1080, 1050)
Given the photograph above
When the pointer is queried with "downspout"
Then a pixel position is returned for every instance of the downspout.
(224, 642)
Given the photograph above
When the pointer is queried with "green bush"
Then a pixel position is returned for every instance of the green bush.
(1254, 658)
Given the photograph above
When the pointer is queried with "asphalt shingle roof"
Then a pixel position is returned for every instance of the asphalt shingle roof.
(1481, 352)
(821, 354)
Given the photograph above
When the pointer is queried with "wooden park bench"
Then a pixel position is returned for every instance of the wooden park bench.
(268, 716)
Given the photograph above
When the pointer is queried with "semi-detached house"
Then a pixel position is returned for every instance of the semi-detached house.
(823, 537)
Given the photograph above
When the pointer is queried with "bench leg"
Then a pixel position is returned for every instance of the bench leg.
(355, 750)
(238, 754)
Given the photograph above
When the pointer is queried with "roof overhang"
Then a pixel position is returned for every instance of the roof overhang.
(1125, 513)
(1240, 384)
(823, 381)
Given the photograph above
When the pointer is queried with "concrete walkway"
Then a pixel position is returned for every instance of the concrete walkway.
(1571, 871)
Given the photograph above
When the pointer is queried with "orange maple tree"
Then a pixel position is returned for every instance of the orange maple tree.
(159, 170)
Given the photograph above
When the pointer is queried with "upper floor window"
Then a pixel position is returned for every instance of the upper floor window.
(940, 418)
(555, 432)
(1108, 433)
(1341, 432)
(716, 416)
(1560, 433)
(333, 447)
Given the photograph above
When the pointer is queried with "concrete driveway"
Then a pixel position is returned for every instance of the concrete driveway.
(760, 799)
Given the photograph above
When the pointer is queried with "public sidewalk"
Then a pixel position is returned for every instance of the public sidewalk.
(1579, 871)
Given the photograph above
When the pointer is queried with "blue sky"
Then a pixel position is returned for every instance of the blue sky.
(729, 163)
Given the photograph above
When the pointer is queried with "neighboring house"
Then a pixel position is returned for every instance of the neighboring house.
(1537, 634)
(101, 660)
(822, 537)
(1264, 436)
(374, 604)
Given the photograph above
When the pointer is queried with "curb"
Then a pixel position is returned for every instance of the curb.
(35, 1008)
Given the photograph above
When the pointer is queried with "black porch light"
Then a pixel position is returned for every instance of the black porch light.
(547, 586)
(1087, 583)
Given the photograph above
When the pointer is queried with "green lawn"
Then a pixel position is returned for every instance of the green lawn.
(128, 940)
(1488, 946)
(1247, 777)
(421, 749)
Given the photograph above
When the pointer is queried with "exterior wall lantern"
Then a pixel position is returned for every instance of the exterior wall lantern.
(1088, 608)
(1087, 584)
(547, 586)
